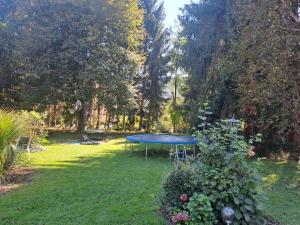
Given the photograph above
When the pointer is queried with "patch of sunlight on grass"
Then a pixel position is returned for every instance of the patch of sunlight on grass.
(283, 162)
(270, 180)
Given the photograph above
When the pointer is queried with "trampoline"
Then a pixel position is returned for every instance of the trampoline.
(160, 139)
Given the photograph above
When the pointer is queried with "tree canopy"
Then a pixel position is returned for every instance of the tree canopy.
(243, 58)
(77, 58)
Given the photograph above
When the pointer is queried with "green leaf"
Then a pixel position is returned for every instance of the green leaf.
(236, 201)
(247, 217)
(238, 214)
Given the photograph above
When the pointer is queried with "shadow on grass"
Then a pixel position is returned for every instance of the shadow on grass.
(60, 136)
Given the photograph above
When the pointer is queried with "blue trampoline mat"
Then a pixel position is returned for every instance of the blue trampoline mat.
(162, 139)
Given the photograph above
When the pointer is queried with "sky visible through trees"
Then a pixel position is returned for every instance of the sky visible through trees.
(173, 9)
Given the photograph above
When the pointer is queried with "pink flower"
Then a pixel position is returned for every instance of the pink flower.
(184, 198)
(180, 217)
(174, 221)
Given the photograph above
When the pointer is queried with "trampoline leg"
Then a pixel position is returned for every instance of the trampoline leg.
(131, 147)
(171, 152)
(194, 150)
(146, 152)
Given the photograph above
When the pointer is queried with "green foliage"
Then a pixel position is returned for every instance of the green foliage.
(155, 71)
(173, 114)
(200, 210)
(10, 130)
(203, 27)
(181, 180)
(36, 129)
(9, 97)
(226, 177)
(222, 143)
(58, 52)
(229, 186)
(220, 172)
(249, 66)
(241, 56)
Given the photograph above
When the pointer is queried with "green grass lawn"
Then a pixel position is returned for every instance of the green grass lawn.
(103, 185)
(281, 185)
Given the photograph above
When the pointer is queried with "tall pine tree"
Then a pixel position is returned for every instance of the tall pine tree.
(156, 69)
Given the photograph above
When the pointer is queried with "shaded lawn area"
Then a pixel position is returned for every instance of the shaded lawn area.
(281, 186)
(103, 185)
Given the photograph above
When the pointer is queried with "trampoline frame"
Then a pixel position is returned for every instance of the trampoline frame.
(132, 140)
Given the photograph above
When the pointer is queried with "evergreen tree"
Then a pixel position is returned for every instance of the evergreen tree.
(243, 58)
(9, 96)
(156, 69)
(72, 51)
(204, 28)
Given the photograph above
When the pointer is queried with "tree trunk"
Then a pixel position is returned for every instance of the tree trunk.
(132, 119)
(82, 119)
(105, 122)
(98, 116)
(175, 101)
(92, 114)
(108, 120)
(296, 112)
(55, 115)
(123, 122)
(149, 122)
(49, 115)
(118, 120)
(141, 114)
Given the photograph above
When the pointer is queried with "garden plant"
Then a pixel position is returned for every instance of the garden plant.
(10, 130)
(219, 176)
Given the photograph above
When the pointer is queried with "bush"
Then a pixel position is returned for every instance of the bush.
(180, 180)
(10, 130)
(219, 172)
(36, 131)
(200, 210)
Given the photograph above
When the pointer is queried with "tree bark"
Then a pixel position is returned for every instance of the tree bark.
(149, 122)
(54, 115)
(131, 119)
(296, 113)
(118, 120)
(98, 116)
(123, 122)
(141, 114)
(49, 115)
(175, 100)
(82, 119)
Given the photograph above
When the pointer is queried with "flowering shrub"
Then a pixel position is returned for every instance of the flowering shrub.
(180, 218)
(196, 210)
(221, 173)
(184, 198)
(180, 180)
